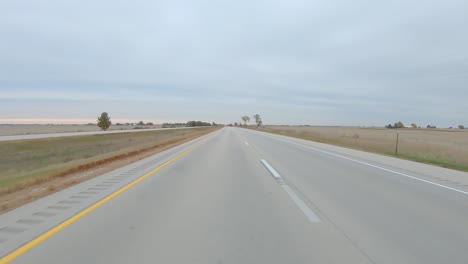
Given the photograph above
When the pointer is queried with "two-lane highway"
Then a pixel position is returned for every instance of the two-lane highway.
(89, 133)
(241, 196)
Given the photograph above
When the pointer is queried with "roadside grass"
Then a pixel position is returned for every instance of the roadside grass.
(425, 146)
(25, 163)
(434, 161)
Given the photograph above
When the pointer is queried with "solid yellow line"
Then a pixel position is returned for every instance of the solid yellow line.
(21, 250)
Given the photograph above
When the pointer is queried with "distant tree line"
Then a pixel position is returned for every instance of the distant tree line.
(141, 123)
(189, 124)
(173, 125)
(198, 124)
(399, 124)
(104, 122)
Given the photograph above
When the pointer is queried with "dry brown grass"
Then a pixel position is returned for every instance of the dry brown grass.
(16, 193)
(448, 148)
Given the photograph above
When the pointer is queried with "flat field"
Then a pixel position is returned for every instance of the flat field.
(443, 147)
(11, 130)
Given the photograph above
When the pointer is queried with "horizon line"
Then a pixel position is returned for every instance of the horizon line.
(76, 121)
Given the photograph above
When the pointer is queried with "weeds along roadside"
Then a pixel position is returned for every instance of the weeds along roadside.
(28, 162)
(448, 149)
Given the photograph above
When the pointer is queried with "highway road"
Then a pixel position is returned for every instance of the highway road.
(72, 134)
(242, 196)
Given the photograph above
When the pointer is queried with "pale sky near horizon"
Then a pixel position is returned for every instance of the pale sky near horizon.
(324, 62)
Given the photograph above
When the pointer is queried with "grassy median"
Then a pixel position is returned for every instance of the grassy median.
(26, 163)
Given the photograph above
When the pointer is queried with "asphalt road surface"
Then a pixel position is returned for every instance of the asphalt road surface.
(73, 134)
(241, 196)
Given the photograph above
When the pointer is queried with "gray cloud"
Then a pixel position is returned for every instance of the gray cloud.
(296, 62)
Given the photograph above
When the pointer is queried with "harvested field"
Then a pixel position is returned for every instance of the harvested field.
(30, 169)
(443, 147)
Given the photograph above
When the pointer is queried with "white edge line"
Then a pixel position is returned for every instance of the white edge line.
(272, 171)
(374, 166)
(246, 143)
(302, 205)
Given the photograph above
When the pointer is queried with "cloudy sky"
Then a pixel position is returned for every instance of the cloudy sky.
(323, 62)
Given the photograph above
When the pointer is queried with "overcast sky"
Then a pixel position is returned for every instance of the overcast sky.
(323, 62)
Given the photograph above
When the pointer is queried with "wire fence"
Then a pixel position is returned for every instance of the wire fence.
(443, 147)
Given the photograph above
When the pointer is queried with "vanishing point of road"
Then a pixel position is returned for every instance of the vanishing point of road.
(243, 196)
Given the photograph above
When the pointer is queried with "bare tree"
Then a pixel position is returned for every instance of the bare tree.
(258, 120)
(246, 119)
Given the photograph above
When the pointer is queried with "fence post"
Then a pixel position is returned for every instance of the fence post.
(396, 147)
